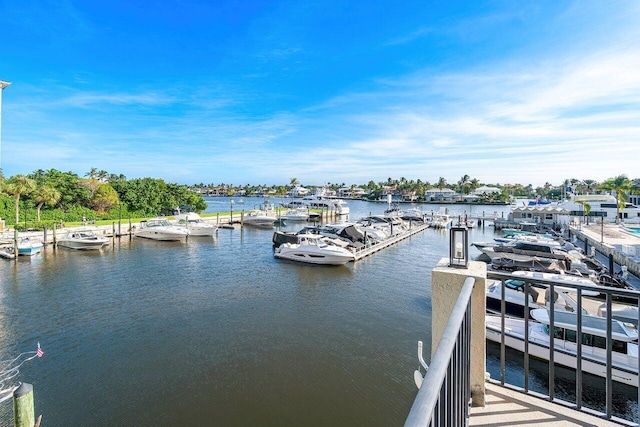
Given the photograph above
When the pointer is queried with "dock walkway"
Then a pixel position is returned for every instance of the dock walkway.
(368, 250)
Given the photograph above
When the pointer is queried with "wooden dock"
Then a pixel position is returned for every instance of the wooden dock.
(368, 250)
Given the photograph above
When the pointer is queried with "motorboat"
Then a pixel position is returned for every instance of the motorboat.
(300, 214)
(195, 224)
(337, 205)
(538, 295)
(624, 361)
(259, 218)
(29, 246)
(161, 229)
(82, 240)
(441, 220)
(314, 249)
(343, 234)
(515, 301)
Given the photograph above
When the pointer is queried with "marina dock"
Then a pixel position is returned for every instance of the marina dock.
(371, 249)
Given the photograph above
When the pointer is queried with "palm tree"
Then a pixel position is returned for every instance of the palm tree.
(587, 208)
(589, 183)
(18, 185)
(441, 183)
(92, 174)
(294, 182)
(621, 185)
(464, 183)
(45, 195)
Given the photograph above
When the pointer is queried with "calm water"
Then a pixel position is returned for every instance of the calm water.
(218, 332)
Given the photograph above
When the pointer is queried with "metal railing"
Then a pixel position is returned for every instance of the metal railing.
(580, 290)
(445, 398)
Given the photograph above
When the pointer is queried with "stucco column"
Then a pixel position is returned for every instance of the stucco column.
(446, 283)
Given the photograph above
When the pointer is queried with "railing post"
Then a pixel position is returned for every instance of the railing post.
(446, 283)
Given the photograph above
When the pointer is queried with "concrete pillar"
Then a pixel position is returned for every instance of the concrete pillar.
(446, 283)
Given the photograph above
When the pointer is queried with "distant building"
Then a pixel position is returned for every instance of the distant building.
(351, 193)
(439, 195)
(485, 190)
(298, 191)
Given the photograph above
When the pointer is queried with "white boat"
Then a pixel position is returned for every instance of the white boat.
(514, 296)
(560, 279)
(338, 205)
(161, 229)
(594, 332)
(300, 214)
(259, 218)
(441, 220)
(29, 246)
(314, 249)
(82, 240)
(195, 224)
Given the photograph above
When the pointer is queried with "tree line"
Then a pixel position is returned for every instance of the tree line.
(621, 185)
(45, 197)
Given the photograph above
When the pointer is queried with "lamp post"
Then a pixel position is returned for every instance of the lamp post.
(458, 247)
(231, 212)
(601, 227)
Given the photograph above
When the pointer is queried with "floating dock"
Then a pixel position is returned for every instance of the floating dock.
(368, 250)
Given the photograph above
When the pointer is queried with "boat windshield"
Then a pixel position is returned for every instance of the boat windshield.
(158, 223)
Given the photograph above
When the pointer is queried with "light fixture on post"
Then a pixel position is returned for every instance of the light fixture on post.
(458, 247)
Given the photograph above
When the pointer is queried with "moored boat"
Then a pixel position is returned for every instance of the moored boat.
(82, 240)
(195, 224)
(29, 246)
(161, 229)
(624, 360)
(259, 218)
(314, 249)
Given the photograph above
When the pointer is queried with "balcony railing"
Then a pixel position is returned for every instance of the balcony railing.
(453, 374)
(445, 398)
(579, 290)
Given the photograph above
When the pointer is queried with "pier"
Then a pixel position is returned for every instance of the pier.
(371, 249)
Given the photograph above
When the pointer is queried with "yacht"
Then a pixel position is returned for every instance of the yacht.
(195, 224)
(338, 205)
(82, 240)
(161, 229)
(624, 367)
(314, 249)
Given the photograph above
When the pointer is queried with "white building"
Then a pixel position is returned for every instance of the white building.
(440, 195)
(298, 191)
(485, 190)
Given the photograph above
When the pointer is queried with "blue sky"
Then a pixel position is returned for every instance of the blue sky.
(259, 92)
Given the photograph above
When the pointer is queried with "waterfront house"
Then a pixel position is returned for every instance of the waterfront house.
(439, 195)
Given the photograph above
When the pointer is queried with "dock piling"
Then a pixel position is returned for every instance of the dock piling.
(23, 406)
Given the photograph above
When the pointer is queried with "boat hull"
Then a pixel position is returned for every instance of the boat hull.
(86, 245)
(564, 356)
(161, 235)
(313, 255)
